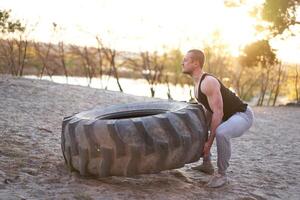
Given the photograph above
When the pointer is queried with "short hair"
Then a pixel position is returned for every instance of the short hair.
(197, 55)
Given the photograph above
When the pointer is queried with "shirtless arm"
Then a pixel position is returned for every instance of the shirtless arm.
(211, 88)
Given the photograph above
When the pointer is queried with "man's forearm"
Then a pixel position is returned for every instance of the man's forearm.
(215, 122)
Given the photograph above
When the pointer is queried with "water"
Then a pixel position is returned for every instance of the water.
(138, 87)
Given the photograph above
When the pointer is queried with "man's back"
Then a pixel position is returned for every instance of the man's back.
(231, 103)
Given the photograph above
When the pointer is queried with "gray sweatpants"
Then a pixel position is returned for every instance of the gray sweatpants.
(235, 126)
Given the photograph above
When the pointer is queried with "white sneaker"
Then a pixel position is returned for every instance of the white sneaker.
(217, 180)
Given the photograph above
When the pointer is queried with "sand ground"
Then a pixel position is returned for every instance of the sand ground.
(265, 161)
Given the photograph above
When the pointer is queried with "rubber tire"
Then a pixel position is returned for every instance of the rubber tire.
(136, 138)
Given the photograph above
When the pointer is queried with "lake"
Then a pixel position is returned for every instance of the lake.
(138, 87)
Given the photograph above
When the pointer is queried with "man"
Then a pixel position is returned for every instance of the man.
(230, 116)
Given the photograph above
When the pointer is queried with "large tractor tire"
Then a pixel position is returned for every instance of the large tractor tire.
(136, 138)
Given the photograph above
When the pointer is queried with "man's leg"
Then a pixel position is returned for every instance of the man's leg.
(235, 126)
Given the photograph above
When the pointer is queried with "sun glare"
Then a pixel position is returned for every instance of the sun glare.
(138, 25)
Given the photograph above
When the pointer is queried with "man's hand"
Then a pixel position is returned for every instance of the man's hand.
(206, 149)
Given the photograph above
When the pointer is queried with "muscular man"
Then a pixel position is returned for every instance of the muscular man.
(231, 117)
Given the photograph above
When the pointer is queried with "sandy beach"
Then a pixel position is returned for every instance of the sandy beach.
(265, 161)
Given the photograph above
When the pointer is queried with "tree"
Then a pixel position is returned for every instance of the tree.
(7, 25)
(173, 69)
(61, 52)
(279, 76)
(86, 57)
(281, 14)
(100, 58)
(110, 55)
(173, 62)
(22, 45)
(260, 55)
(52, 56)
(217, 56)
(245, 81)
(43, 53)
(13, 50)
(150, 66)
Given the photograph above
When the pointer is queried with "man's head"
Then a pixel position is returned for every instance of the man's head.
(193, 60)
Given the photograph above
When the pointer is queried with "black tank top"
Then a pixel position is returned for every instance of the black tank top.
(231, 103)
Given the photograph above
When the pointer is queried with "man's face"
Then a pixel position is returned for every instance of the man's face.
(188, 65)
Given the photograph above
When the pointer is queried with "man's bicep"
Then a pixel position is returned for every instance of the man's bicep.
(214, 97)
(215, 101)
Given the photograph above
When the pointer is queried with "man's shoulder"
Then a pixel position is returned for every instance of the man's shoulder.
(210, 80)
(209, 85)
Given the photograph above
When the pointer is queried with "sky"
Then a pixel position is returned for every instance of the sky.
(139, 25)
